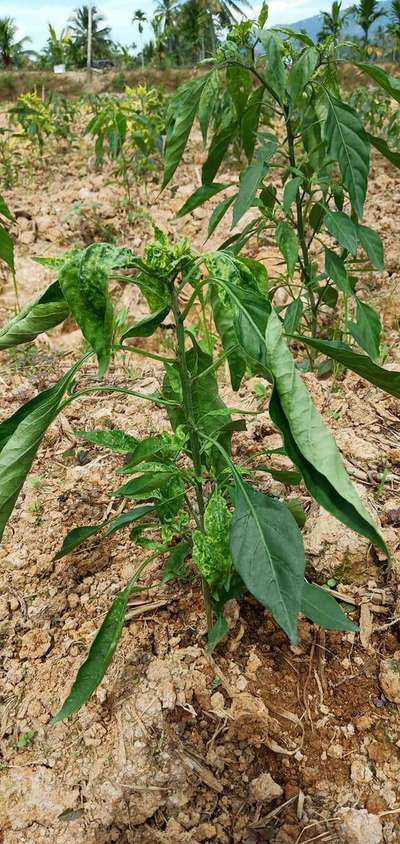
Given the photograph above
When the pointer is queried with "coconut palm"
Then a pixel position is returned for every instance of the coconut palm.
(139, 17)
(165, 11)
(366, 13)
(79, 27)
(394, 26)
(12, 52)
(333, 22)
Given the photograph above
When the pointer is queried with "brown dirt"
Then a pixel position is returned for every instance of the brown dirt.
(74, 83)
(169, 746)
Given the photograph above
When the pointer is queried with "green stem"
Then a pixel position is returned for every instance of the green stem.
(137, 351)
(187, 399)
(105, 388)
(217, 363)
(306, 264)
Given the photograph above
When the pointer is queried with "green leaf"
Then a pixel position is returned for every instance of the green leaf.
(4, 209)
(218, 213)
(7, 248)
(263, 16)
(117, 441)
(385, 379)
(211, 414)
(336, 270)
(211, 553)
(75, 537)
(223, 319)
(367, 331)
(84, 282)
(284, 476)
(258, 271)
(287, 244)
(389, 83)
(182, 111)
(128, 517)
(146, 485)
(207, 103)
(372, 245)
(275, 76)
(100, 654)
(293, 315)
(308, 443)
(297, 510)
(267, 551)
(342, 228)
(239, 86)
(151, 448)
(46, 311)
(218, 149)
(380, 144)
(175, 568)
(201, 195)
(251, 179)
(290, 193)
(218, 631)
(292, 33)
(250, 121)
(349, 145)
(147, 326)
(20, 438)
(301, 71)
(321, 608)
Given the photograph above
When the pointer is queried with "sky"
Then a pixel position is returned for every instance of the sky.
(32, 16)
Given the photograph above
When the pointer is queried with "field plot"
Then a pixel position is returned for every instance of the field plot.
(245, 684)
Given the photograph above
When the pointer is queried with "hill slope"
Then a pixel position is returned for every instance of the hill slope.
(313, 25)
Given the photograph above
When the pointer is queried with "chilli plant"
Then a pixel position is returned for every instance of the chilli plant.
(129, 130)
(33, 117)
(303, 178)
(187, 496)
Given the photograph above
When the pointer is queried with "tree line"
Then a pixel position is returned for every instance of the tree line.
(184, 33)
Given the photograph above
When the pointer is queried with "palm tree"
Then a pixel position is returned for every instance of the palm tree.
(139, 17)
(333, 22)
(366, 13)
(79, 26)
(393, 27)
(12, 52)
(165, 11)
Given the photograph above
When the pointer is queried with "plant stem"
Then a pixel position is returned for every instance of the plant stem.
(188, 399)
(306, 264)
(105, 388)
(188, 409)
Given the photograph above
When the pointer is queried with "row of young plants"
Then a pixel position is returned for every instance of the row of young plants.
(190, 499)
(128, 129)
(378, 113)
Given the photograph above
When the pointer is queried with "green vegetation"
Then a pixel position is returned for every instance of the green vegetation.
(270, 107)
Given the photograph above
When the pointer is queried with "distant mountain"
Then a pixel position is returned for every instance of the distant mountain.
(314, 25)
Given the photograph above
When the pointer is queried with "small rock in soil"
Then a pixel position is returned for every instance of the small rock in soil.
(34, 644)
(359, 827)
(264, 789)
(389, 678)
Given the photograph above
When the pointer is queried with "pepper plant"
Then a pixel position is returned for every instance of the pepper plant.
(186, 496)
(305, 173)
(129, 130)
(34, 120)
